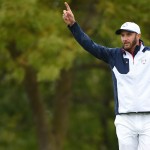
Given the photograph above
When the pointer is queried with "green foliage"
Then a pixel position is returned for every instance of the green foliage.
(33, 33)
(38, 39)
(85, 129)
(16, 124)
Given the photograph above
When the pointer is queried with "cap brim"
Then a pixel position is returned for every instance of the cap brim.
(120, 30)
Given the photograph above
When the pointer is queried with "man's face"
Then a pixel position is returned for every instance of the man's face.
(129, 40)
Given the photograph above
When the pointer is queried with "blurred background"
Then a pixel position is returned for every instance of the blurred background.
(53, 94)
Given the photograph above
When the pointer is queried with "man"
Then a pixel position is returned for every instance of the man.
(130, 67)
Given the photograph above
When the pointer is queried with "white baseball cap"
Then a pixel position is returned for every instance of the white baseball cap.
(129, 26)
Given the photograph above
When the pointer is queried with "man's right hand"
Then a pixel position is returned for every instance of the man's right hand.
(68, 15)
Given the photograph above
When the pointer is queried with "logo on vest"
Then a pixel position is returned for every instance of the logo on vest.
(143, 61)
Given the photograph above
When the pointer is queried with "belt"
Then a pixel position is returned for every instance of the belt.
(129, 113)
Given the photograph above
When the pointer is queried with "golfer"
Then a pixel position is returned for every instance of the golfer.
(130, 67)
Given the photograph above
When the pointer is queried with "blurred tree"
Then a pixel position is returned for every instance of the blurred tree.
(30, 45)
(41, 61)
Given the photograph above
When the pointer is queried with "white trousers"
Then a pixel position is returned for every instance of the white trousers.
(133, 131)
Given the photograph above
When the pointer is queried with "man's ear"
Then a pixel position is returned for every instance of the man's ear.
(139, 36)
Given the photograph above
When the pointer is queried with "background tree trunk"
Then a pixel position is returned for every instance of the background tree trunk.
(38, 108)
(37, 104)
(61, 108)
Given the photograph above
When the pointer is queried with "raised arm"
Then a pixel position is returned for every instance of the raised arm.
(99, 51)
(68, 16)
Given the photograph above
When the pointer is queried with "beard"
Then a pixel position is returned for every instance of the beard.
(129, 46)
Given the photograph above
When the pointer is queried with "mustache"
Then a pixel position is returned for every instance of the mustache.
(126, 42)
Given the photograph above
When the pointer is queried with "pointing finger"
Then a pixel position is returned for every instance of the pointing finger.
(67, 6)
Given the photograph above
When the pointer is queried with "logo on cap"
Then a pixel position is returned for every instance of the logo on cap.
(129, 26)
